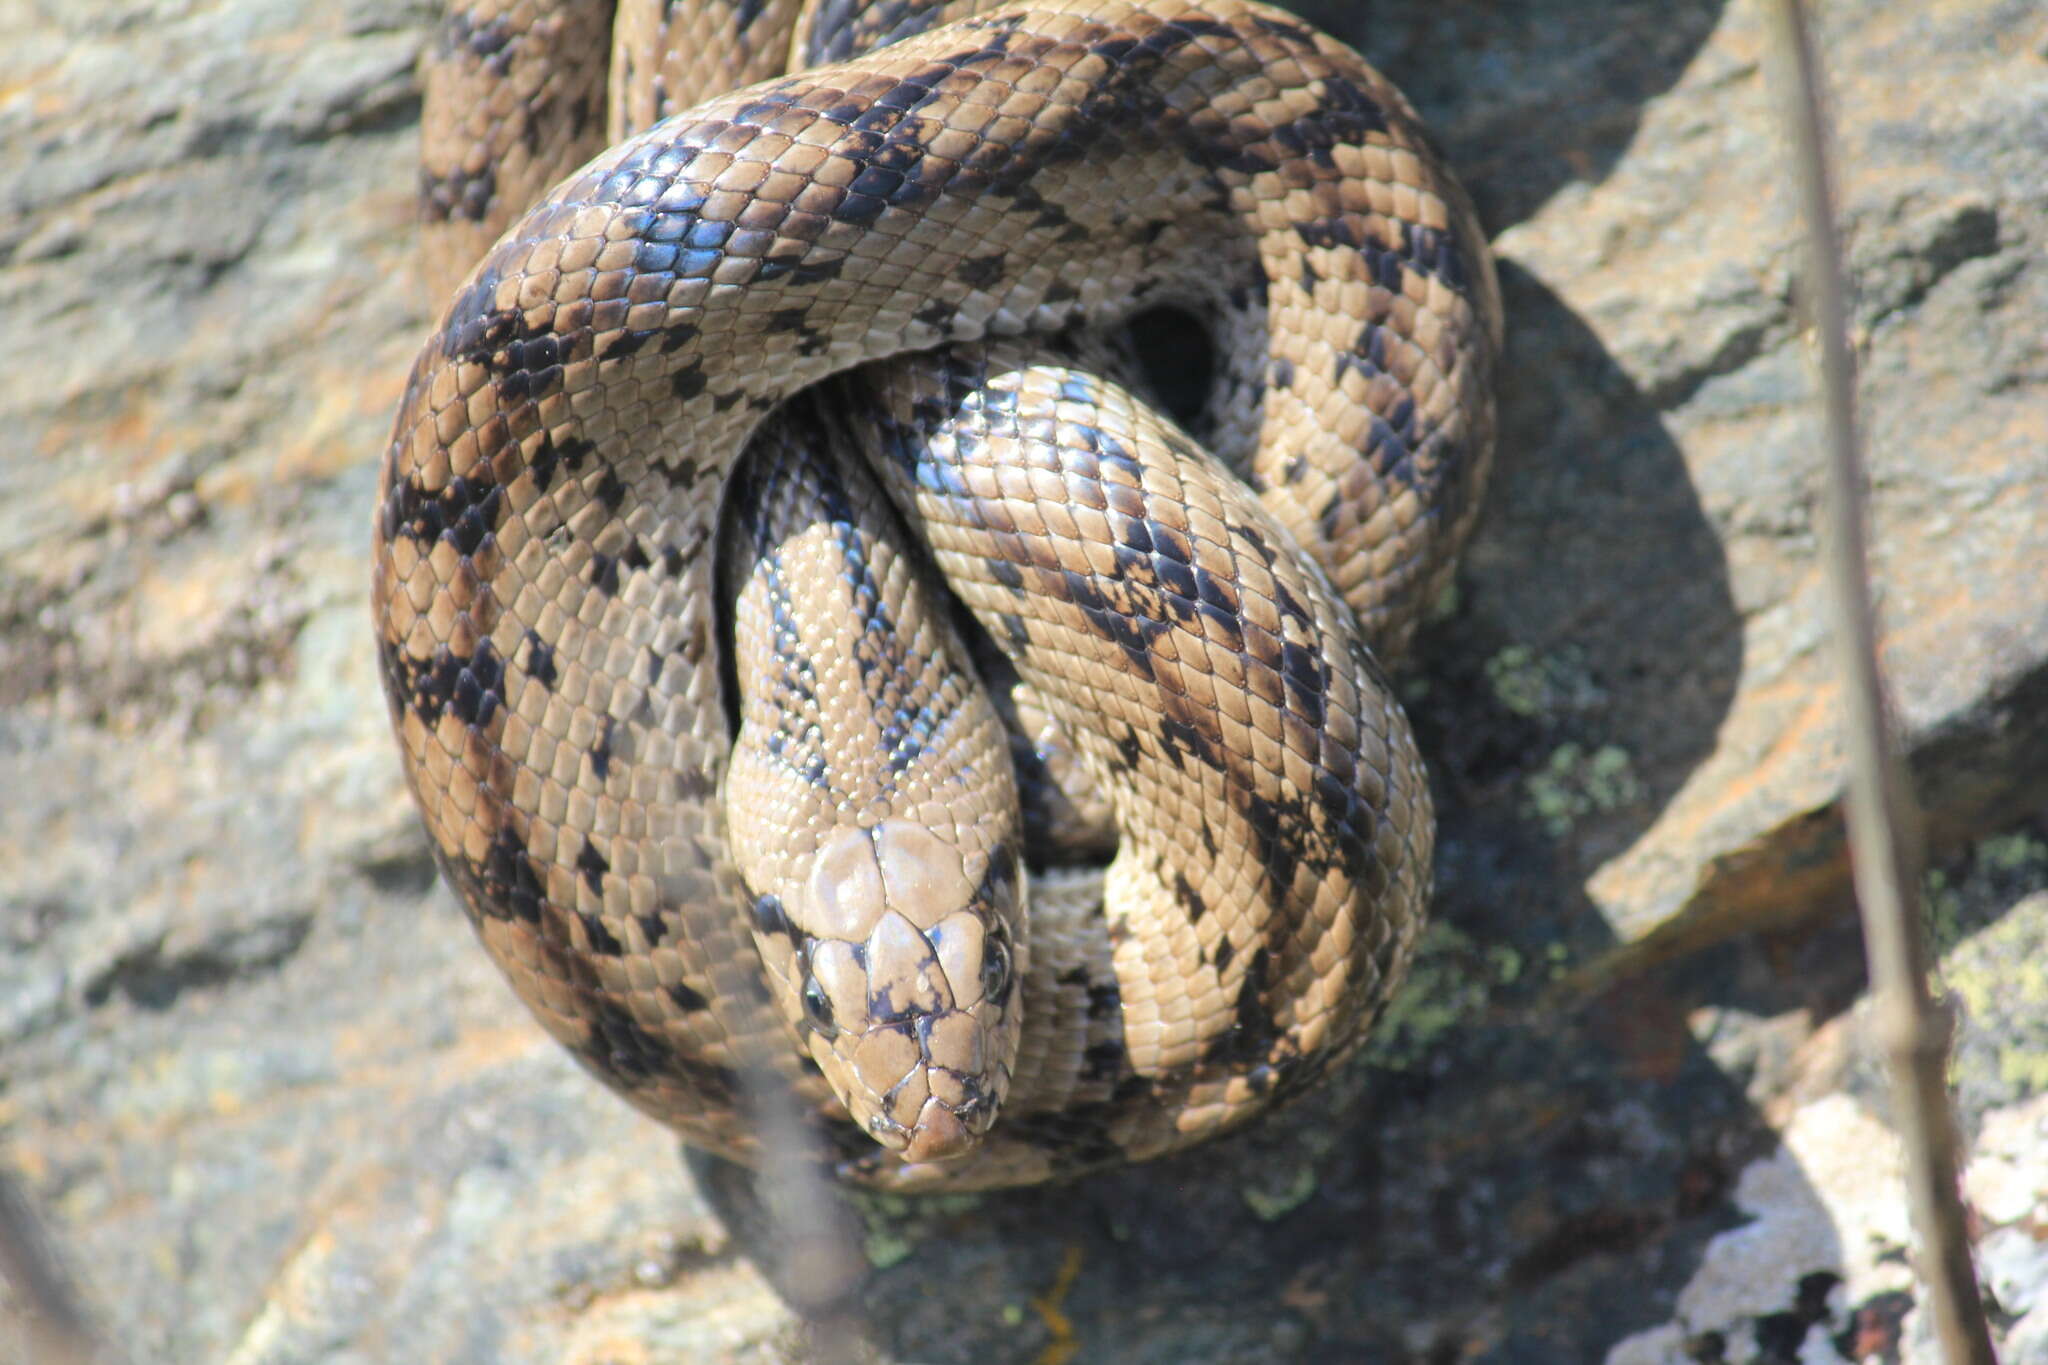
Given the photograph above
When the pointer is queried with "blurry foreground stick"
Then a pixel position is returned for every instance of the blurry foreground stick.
(1883, 824)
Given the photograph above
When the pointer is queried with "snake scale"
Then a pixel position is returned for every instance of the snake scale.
(828, 677)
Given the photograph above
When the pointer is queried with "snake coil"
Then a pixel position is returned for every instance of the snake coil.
(683, 484)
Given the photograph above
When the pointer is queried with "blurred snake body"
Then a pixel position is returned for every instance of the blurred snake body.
(833, 685)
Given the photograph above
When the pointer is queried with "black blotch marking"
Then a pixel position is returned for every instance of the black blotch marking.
(476, 324)
(525, 359)
(1109, 621)
(1371, 345)
(1181, 740)
(1308, 680)
(602, 942)
(1349, 111)
(1282, 850)
(688, 382)
(799, 271)
(508, 886)
(624, 344)
(935, 313)
(1299, 35)
(982, 271)
(1435, 253)
(604, 573)
(999, 883)
(553, 456)
(1252, 1031)
(771, 919)
(489, 42)
(1219, 596)
(463, 514)
(686, 999)
(673, 338)
(1185, 892)
(593, 865)
(470, 688)
(457, 196)
(540, 661)
(1102, 1061)
(1328, 232)
(626, 1051)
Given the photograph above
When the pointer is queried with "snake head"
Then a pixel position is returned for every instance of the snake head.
(900, 964)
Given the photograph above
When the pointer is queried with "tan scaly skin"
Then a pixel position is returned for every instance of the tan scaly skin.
(547, 548)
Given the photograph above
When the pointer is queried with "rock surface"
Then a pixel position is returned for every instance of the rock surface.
(276, 1107)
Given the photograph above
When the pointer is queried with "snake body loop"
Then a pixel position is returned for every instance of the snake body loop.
(803, 865)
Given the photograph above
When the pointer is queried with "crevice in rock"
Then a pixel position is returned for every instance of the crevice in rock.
(153, 978)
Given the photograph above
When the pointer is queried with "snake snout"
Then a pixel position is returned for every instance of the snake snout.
(938, 1113)
(914, 963)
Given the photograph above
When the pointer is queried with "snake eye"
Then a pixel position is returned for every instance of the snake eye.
(818, 1009)
(995, 964)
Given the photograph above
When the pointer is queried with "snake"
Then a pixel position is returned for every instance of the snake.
(849, 679)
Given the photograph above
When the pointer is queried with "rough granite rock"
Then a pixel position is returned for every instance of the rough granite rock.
(276, 1107)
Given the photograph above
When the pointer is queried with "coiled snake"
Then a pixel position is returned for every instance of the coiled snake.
(729, 806)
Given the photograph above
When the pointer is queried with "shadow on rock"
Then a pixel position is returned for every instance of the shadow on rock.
(1526, 97)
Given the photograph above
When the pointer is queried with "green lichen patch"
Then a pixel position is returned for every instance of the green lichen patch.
(1976, 888)
(1451, 984)
(1537, 685)
(893, 1225)
(1998, 978)
(1280, 1190)
(1576, 782)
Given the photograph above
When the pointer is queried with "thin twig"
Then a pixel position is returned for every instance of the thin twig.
(54, 1325)
(1883, 822)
